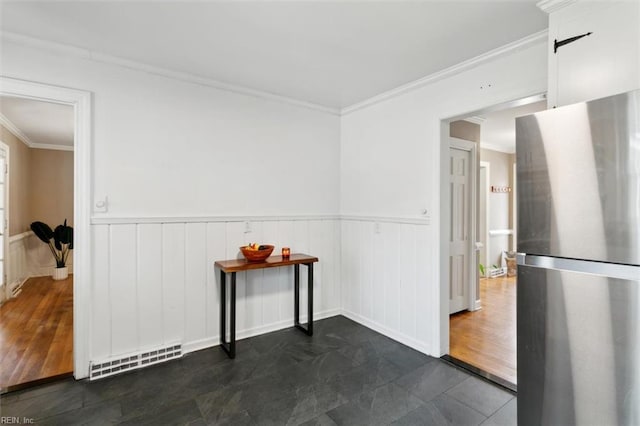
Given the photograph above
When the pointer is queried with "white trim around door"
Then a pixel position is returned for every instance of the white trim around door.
(81, 101)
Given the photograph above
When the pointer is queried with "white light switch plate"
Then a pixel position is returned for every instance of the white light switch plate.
(101, 205)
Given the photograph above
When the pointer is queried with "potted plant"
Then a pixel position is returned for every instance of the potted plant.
(60, 242)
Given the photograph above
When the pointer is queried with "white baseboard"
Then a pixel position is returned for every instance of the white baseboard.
(256, 331)
(392, 334)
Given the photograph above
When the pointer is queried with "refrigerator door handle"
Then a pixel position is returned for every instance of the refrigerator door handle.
(611, 270)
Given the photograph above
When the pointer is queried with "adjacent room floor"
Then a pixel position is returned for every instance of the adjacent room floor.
(36, 333)
(345, 374)
(487, 338)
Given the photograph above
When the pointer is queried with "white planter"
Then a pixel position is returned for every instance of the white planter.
(60, 273)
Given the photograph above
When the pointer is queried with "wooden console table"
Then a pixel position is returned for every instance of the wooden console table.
(239, 265)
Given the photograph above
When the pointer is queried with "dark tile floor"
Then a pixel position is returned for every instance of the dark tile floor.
(345, 374)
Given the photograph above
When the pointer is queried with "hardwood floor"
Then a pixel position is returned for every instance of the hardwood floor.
(36, 333)
(487, 338)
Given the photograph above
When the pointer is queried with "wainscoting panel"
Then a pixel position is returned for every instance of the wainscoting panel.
(173, 278)
(30, 257)
(101, 310)
(195, 320)
(155, 283)
(149, 285)
(18, 266)
(124, 292)
(216, 249)
(389, 279)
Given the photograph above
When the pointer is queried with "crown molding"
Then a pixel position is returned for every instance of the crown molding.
(52, 147)
(550, 6)
(163, 72)
(507, 49)
(86, 54)
(492, 147)
(8, 124)
(476, 119)
(15, 131)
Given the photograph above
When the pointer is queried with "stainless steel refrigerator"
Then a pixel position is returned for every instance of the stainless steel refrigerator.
(578, 294)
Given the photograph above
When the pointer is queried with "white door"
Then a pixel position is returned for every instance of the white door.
(460, 232)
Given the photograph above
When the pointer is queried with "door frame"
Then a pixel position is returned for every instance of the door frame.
(81, 102)
(445, 219)
(5, 239)
(487, 165)
(472, 267)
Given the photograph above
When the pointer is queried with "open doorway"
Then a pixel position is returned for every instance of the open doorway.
(36, 316)
(482, 335)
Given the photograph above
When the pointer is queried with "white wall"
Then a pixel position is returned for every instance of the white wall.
(164, 147)
(391, 167)
(171, 149)
(166, 151)
(500, 203)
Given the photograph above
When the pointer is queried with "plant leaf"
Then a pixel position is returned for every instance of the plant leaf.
(63, 235)
(42, 231)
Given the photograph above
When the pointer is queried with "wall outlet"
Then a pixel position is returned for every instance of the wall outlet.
(247, 227)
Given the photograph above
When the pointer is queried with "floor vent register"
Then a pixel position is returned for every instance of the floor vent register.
(130, 362)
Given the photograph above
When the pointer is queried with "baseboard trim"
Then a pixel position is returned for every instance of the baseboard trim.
(400, 337)
(210, 342)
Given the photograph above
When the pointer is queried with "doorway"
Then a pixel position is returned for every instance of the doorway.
(482, 335)
(36, 319)
(80, 102)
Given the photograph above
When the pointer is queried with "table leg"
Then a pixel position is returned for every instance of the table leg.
(296, 290)
(296, 294)
(230, 347)
(310, 299)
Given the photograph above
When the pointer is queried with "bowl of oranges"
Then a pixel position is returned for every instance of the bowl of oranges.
(255, 252)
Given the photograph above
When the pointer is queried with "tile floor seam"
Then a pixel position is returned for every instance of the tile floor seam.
(468, 406)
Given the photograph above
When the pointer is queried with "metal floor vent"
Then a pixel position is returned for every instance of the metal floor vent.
(130, 362)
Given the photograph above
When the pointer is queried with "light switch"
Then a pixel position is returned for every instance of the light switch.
(101, 205)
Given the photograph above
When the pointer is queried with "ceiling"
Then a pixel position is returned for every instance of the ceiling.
(330, 53)
(40, 124)
(498, 129)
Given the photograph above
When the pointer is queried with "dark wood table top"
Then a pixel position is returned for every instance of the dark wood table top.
(237, 265)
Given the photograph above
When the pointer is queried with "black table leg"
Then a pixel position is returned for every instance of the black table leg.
(296, 291)
(230, 347)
